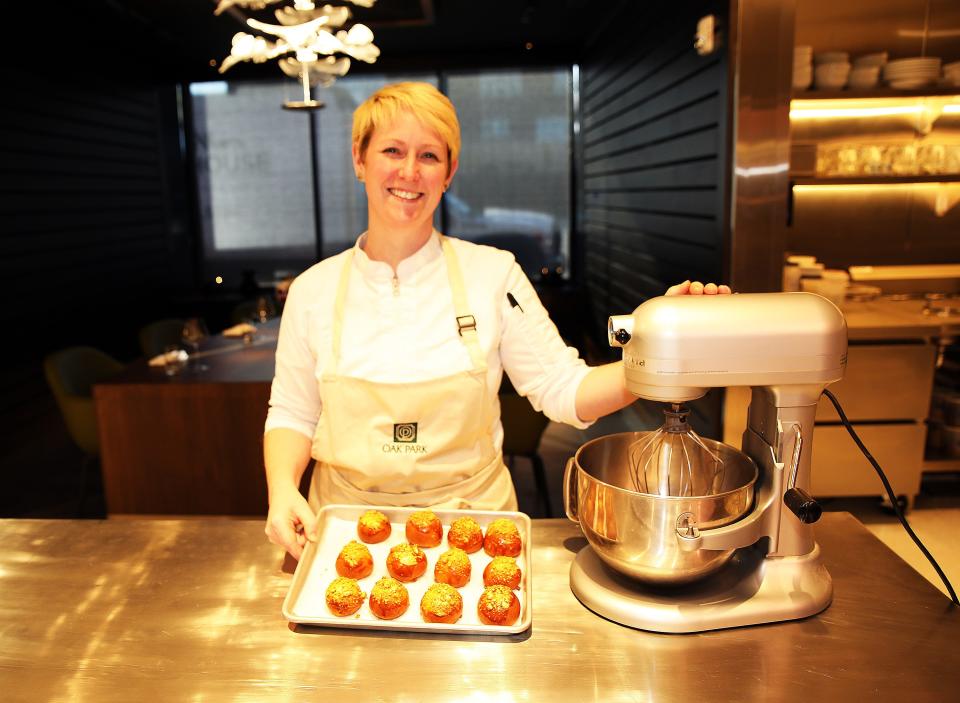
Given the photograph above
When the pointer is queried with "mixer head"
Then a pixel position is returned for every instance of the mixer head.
(677, 347)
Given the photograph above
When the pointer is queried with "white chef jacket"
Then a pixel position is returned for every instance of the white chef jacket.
(403, 328)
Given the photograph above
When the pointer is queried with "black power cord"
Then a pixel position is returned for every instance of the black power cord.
(893, 498)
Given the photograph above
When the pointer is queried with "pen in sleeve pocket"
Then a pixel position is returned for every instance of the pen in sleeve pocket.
(513, 301)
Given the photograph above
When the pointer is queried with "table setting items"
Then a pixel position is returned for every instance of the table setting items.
(243, 330)
(831, 70)
(912, 73)
(173, 360)
(802, 67)
(865, 72)
(951, 75)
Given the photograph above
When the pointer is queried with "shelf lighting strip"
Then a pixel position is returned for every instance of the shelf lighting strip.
(881, 107)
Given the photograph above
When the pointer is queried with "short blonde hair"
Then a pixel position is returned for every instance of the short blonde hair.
(431, 107)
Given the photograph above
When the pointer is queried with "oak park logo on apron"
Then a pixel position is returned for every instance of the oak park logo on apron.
(404, 440)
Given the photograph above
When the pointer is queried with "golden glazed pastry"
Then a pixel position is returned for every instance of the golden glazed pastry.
(441, 603)
(453, 568)
(373, 527)
(344, 596)
(389, 599)
(502, 571)
(406, 562)
(498, 605)
(354, 561)
(502, 539)
(424, 529)
(466, 534)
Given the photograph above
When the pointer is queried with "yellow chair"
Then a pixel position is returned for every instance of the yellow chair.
(71, 374)
(157, 336)
(522, 428)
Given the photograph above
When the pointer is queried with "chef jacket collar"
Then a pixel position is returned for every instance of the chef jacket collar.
(430, 252)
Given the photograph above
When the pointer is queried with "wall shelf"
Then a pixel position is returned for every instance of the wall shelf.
(928, 92)
(872, 180)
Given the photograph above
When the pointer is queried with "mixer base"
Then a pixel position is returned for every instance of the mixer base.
(751, 589)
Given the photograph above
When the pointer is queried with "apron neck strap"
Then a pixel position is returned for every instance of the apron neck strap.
(338, 305)
(466, 323)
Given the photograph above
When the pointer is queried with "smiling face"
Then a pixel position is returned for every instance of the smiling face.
(405, 169)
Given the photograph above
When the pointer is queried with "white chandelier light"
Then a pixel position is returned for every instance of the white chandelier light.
(307, 32)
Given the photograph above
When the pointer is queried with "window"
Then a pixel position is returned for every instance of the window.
(513, 187)
(254, 179)
(256, 166)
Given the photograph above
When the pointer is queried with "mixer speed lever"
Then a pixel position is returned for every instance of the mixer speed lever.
(803, 505)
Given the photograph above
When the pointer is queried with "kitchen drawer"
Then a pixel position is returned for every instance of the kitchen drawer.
(840, 469)
(883, 382)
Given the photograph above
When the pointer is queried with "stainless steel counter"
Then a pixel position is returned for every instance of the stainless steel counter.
(896, 319)
(189, 610)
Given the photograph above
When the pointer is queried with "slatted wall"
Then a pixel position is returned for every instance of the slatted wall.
(652, 156)
(94, 235)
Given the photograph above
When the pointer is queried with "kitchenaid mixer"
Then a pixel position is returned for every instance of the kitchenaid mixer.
(743, 552)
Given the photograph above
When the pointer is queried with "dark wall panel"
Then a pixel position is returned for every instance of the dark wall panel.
(652, 157)
(94, 233)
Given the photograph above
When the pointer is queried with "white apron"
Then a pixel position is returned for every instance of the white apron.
(423, 444)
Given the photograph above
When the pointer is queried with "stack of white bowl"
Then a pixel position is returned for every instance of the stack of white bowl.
(866, 71)
(831, 70)
(802, 68)
(906, 74)
(951, 74)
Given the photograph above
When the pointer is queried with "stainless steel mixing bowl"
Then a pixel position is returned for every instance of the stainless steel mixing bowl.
(635, 533)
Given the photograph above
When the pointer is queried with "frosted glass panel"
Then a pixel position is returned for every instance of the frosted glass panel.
(254, 177)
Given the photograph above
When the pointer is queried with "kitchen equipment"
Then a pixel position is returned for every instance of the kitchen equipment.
(748, 566)
(632, 531)
(673, 460)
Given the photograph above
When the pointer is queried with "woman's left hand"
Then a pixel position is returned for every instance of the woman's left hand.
(698, 288)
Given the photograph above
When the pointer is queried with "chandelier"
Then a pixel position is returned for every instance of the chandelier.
(313, 35)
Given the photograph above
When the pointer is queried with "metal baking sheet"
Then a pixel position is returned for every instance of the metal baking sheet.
(337, 524)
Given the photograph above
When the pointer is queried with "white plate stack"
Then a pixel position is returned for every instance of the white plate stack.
(907, 74)
(802, 68)
(951, 74)
(831, 70)
(865, 73)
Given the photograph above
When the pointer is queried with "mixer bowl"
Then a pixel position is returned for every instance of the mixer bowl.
(635, 533)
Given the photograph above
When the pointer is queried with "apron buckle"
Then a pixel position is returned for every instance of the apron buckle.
(466, 323)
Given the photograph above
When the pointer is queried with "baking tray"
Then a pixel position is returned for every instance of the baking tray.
(337, 524)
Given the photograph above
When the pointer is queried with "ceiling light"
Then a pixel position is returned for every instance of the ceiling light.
(314, 35)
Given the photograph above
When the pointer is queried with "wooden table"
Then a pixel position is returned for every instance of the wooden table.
(189, 444)
(190, 610)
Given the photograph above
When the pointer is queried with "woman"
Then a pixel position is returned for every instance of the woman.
(391, 354)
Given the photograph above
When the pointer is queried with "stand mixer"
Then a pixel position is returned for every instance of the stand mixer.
(744, 554)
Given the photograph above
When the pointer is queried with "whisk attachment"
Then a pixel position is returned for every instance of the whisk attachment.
(673, 460)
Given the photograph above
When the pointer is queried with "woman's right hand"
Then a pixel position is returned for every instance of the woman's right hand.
(290, 521)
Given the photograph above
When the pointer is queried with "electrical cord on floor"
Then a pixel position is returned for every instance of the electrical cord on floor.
(893, 498)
